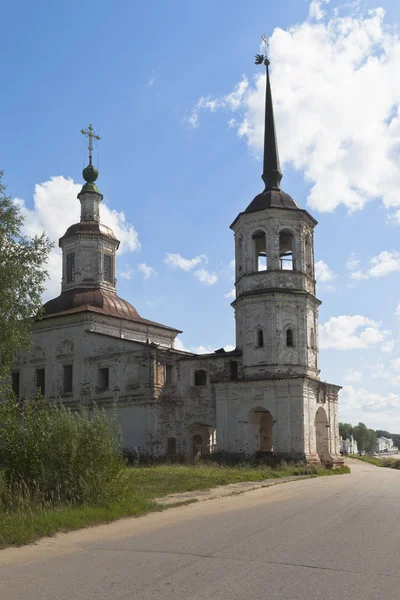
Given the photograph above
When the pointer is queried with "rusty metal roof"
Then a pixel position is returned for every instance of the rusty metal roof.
(89, 228)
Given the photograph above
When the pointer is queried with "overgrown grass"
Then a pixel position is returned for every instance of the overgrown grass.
(28, 522)
(388, 462)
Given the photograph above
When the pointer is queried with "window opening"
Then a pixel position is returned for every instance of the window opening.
(67, 379)
(40, 380)
(168, 374)
(233, 370)
(70, 267)
(171, 446)
(289, 338)
(15, 378)
(260, 338)
(312, 338)
(108, 274)
(103, 378)
(286, 244)
(308, 257)
(200, 377)
(260, 248)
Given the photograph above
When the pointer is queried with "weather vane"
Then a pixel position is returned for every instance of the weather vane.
(91, 135)
(263, 58)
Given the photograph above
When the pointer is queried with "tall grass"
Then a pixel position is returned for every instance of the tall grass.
(49, 454)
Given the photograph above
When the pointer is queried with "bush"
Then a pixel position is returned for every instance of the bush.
(50, 454)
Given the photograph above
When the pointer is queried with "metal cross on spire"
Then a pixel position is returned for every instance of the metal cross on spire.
(91, 135)
(263, 58)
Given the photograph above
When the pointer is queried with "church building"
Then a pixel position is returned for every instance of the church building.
(264, 397)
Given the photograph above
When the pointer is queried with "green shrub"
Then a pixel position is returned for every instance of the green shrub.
(50, 454)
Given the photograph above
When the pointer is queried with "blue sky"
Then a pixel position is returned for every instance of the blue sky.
(172, 89)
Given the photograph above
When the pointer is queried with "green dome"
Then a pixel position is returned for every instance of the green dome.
(90, 173)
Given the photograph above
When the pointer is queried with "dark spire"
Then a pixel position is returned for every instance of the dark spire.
(272, 174)
(272, 169)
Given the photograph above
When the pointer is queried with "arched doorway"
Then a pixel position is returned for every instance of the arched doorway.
(203, 439)
(259, 431)
(322, 435)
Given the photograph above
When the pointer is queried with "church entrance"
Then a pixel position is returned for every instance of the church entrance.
(259, 430)
(322, 435)
(203, 439)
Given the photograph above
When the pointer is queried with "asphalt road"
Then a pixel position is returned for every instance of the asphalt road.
(327, 538)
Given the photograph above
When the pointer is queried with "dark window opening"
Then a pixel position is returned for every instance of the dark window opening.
(15, 383)
(200, 377)
(289, 338)
(70, 267)
(260, 249)
(168, 374)
(286, 247)
(67, 379)
(108, 270)
(233, 370)
(40, 381)
(260, 338)
(103, 378)
(171, 446)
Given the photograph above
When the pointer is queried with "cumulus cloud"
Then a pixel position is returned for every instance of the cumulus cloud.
(55, 207)
(127, 274)
(383, 264)
(323, 273)
(205, 276)
(337, 106)
(353, 375)
(146, 270)
(231, 295)
(350, 332)
(352, 262)
(179, 345)
(186, 264)
(375, 410)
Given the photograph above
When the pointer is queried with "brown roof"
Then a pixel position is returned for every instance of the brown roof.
(273, 198)
(89, 228)
(95, 300)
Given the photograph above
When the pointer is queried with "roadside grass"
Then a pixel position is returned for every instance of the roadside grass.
(30, 521)
(388, 462)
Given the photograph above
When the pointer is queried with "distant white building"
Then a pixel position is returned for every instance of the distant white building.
(348, 446)
(384, 444)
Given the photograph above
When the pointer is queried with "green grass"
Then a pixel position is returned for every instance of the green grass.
(388, 462)
(143, 486)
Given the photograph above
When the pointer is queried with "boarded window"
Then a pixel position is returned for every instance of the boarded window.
(289, 338)
(168, 374)
(103, 378)
(40, 381)
(67, 379)
(108, 270)
(200, 377)
(171, 446)
(15, 383)
(260, 338)
(233, 370)
(70, 267)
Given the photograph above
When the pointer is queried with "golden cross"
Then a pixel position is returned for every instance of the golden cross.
(91, 134)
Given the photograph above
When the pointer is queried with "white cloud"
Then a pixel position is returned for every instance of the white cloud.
(352, 262)
(55, 208)
(146, 270)
(385, 263)
(397, 311)
(337, 106)
(375, 410)
(231, 295)
(127, 274)
(349, 332)
(388, 346)
(179, 345)
(353, 375)
(315, 11)
(233, 100)
(186, 264)
(323, 273)
(205, 276)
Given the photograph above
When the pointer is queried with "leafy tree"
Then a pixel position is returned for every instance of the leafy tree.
(345, 430)
(22, 279)
(365, 438)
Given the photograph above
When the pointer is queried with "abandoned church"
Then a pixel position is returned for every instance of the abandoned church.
(265, 396)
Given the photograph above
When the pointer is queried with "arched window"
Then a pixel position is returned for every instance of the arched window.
(260, 338)
(289, 338)
(171, 446)
(286, 251)
(308, 257)
(200, 377)
(260, 250)
(233, 370)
